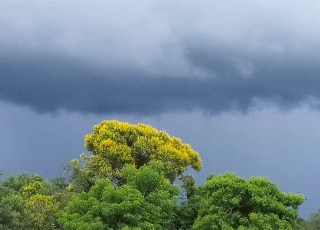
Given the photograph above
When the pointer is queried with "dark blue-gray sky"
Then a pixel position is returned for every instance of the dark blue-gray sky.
(239, 81)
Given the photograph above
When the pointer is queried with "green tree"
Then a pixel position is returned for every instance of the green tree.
(114, 144)
(313, 223)
(146, 201)
(16, 182)
(187, 210)
(12, 212)
(29, 202)
(230, 202)
(12, 203)
(41, 210)
(187, 213)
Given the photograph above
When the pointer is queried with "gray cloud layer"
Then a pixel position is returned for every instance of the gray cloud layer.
(158, 56)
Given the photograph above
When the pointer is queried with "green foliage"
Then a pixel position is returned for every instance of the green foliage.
(127, 183)
(81, 174)
(230, 202)
(16, 183)
(188, 185)
(147, 201)
(41, 210)
(187, 210)
(12, 203)
(187, 213)
(35, 187)
(12, 212)
(27, 202)
(313, 223)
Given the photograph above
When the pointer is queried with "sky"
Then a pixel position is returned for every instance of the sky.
(239, 81)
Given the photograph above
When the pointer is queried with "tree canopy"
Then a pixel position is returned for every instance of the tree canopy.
(230, 202)
(114, 144)
(128, 182)
(146, 201)
(29, 202)
(313, 223)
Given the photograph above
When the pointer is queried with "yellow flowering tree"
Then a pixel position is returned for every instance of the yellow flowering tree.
(114, 144)
(41, 210)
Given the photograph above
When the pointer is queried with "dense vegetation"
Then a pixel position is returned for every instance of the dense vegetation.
(128, 182)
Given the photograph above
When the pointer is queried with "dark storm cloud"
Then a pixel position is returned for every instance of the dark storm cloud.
(153, 57)
(51, 84)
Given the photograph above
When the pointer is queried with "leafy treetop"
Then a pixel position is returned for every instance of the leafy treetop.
(230, 202)
(146, 201)
(114, 144)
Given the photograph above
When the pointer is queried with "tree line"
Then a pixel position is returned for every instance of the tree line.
(135, 178)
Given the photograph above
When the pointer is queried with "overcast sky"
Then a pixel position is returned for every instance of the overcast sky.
(239, 81)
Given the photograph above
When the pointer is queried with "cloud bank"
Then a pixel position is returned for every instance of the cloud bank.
(158, 56)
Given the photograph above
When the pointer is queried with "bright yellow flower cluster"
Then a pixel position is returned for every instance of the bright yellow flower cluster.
(32, 188)
(114, 144)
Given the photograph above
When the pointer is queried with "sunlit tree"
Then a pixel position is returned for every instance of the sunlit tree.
(114, 144)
